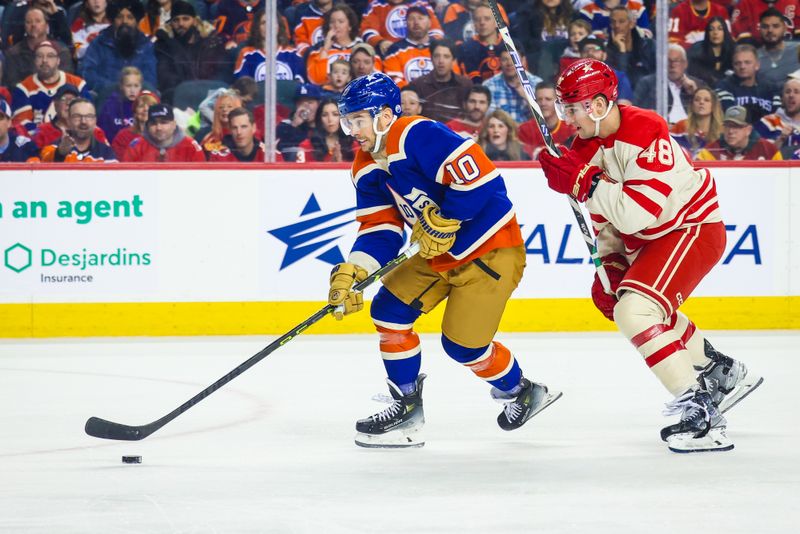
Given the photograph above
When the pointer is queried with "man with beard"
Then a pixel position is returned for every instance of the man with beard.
(162, 140)
(241, 144)
(476, 106)
(120, 45)
(188, 49)
(778, 57)
(50, 132)
(33, 96)
(78, 144)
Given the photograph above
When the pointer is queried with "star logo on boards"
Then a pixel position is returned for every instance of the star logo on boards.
(311, 235)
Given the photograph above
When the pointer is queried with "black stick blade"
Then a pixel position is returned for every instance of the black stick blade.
(100, 428)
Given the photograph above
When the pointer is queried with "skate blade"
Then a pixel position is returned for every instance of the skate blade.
(740, 392)
(549, 399)
(716, 440)
(390, 440)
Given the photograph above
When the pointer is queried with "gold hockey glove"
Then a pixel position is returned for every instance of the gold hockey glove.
(434, 233)
(343, 277)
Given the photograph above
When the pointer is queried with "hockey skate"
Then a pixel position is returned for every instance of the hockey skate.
(726, 380)
(532, 399)
(399, 425)
(702, 426)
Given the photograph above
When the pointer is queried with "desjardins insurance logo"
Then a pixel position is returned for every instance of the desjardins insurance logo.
(19, 258)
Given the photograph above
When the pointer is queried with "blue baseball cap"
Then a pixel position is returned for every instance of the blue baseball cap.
(308, 90)
(5, 109)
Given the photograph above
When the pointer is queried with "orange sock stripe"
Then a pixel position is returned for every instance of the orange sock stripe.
(494, 364)
(396, 341)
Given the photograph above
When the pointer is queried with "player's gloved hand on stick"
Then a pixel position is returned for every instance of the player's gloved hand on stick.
(568, 174)
(616, 265)
(341, 293)
(434, 233)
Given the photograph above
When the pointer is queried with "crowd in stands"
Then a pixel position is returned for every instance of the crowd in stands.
(182, 80)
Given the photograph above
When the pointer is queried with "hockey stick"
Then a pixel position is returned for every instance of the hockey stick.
(100, 428)
(588, 237)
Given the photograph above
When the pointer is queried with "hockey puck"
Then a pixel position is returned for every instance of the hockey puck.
(131, 459)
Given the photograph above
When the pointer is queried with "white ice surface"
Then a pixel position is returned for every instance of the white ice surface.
(273, 452)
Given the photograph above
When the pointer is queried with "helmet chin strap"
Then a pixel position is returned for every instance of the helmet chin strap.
(380, 133)
(598, 119)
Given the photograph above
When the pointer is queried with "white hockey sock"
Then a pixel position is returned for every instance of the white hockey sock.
(692, 338)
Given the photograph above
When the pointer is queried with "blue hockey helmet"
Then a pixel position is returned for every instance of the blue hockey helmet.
(370, 93)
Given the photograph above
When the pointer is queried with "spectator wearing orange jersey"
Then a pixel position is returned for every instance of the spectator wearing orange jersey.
(409, 58)
(78, 144)
(480, 56)
(234, 16)
(384, 22)
(340, 27)
(308, 30)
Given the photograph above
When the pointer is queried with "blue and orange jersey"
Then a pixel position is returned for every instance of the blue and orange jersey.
(384, 20)
(600, 16)
(308, 30)
(479, 60)
(289, 65)
(429, 163)
(233, 13)
(32, 98)
(406, 61)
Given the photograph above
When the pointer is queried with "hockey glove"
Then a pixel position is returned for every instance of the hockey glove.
(434, 233)
(569, 175)
(616, 265)
(341, 293)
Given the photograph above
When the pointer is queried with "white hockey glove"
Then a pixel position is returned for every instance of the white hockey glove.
(341, 293)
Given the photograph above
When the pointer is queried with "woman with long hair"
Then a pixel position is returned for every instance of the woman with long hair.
(140, 107)
(340, 28)
(156, 14)
(499, 140)
(211, 137)
(703, 124)
(712, 57)
(327, 142)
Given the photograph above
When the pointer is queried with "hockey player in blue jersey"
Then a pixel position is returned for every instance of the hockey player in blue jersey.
(417, 172)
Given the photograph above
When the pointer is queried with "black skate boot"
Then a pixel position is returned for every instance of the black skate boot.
(532, 399)
(702, 426)
(726, 380)
(399, 425)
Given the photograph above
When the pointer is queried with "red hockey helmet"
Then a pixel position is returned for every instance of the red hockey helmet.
(584, 80)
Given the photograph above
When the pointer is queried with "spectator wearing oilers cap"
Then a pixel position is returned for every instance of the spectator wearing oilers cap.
(659, 233)
(14, 147)
(118, 46)
(163, 140)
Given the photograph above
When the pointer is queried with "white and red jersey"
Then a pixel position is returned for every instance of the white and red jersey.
(650, 188)
(745, 17)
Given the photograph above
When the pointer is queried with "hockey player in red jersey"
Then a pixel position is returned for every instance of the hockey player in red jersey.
(417, 172)
(659, 232)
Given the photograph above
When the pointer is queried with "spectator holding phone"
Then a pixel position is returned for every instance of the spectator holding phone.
(293, 131)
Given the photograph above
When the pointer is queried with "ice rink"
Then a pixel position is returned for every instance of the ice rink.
(273, 452)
